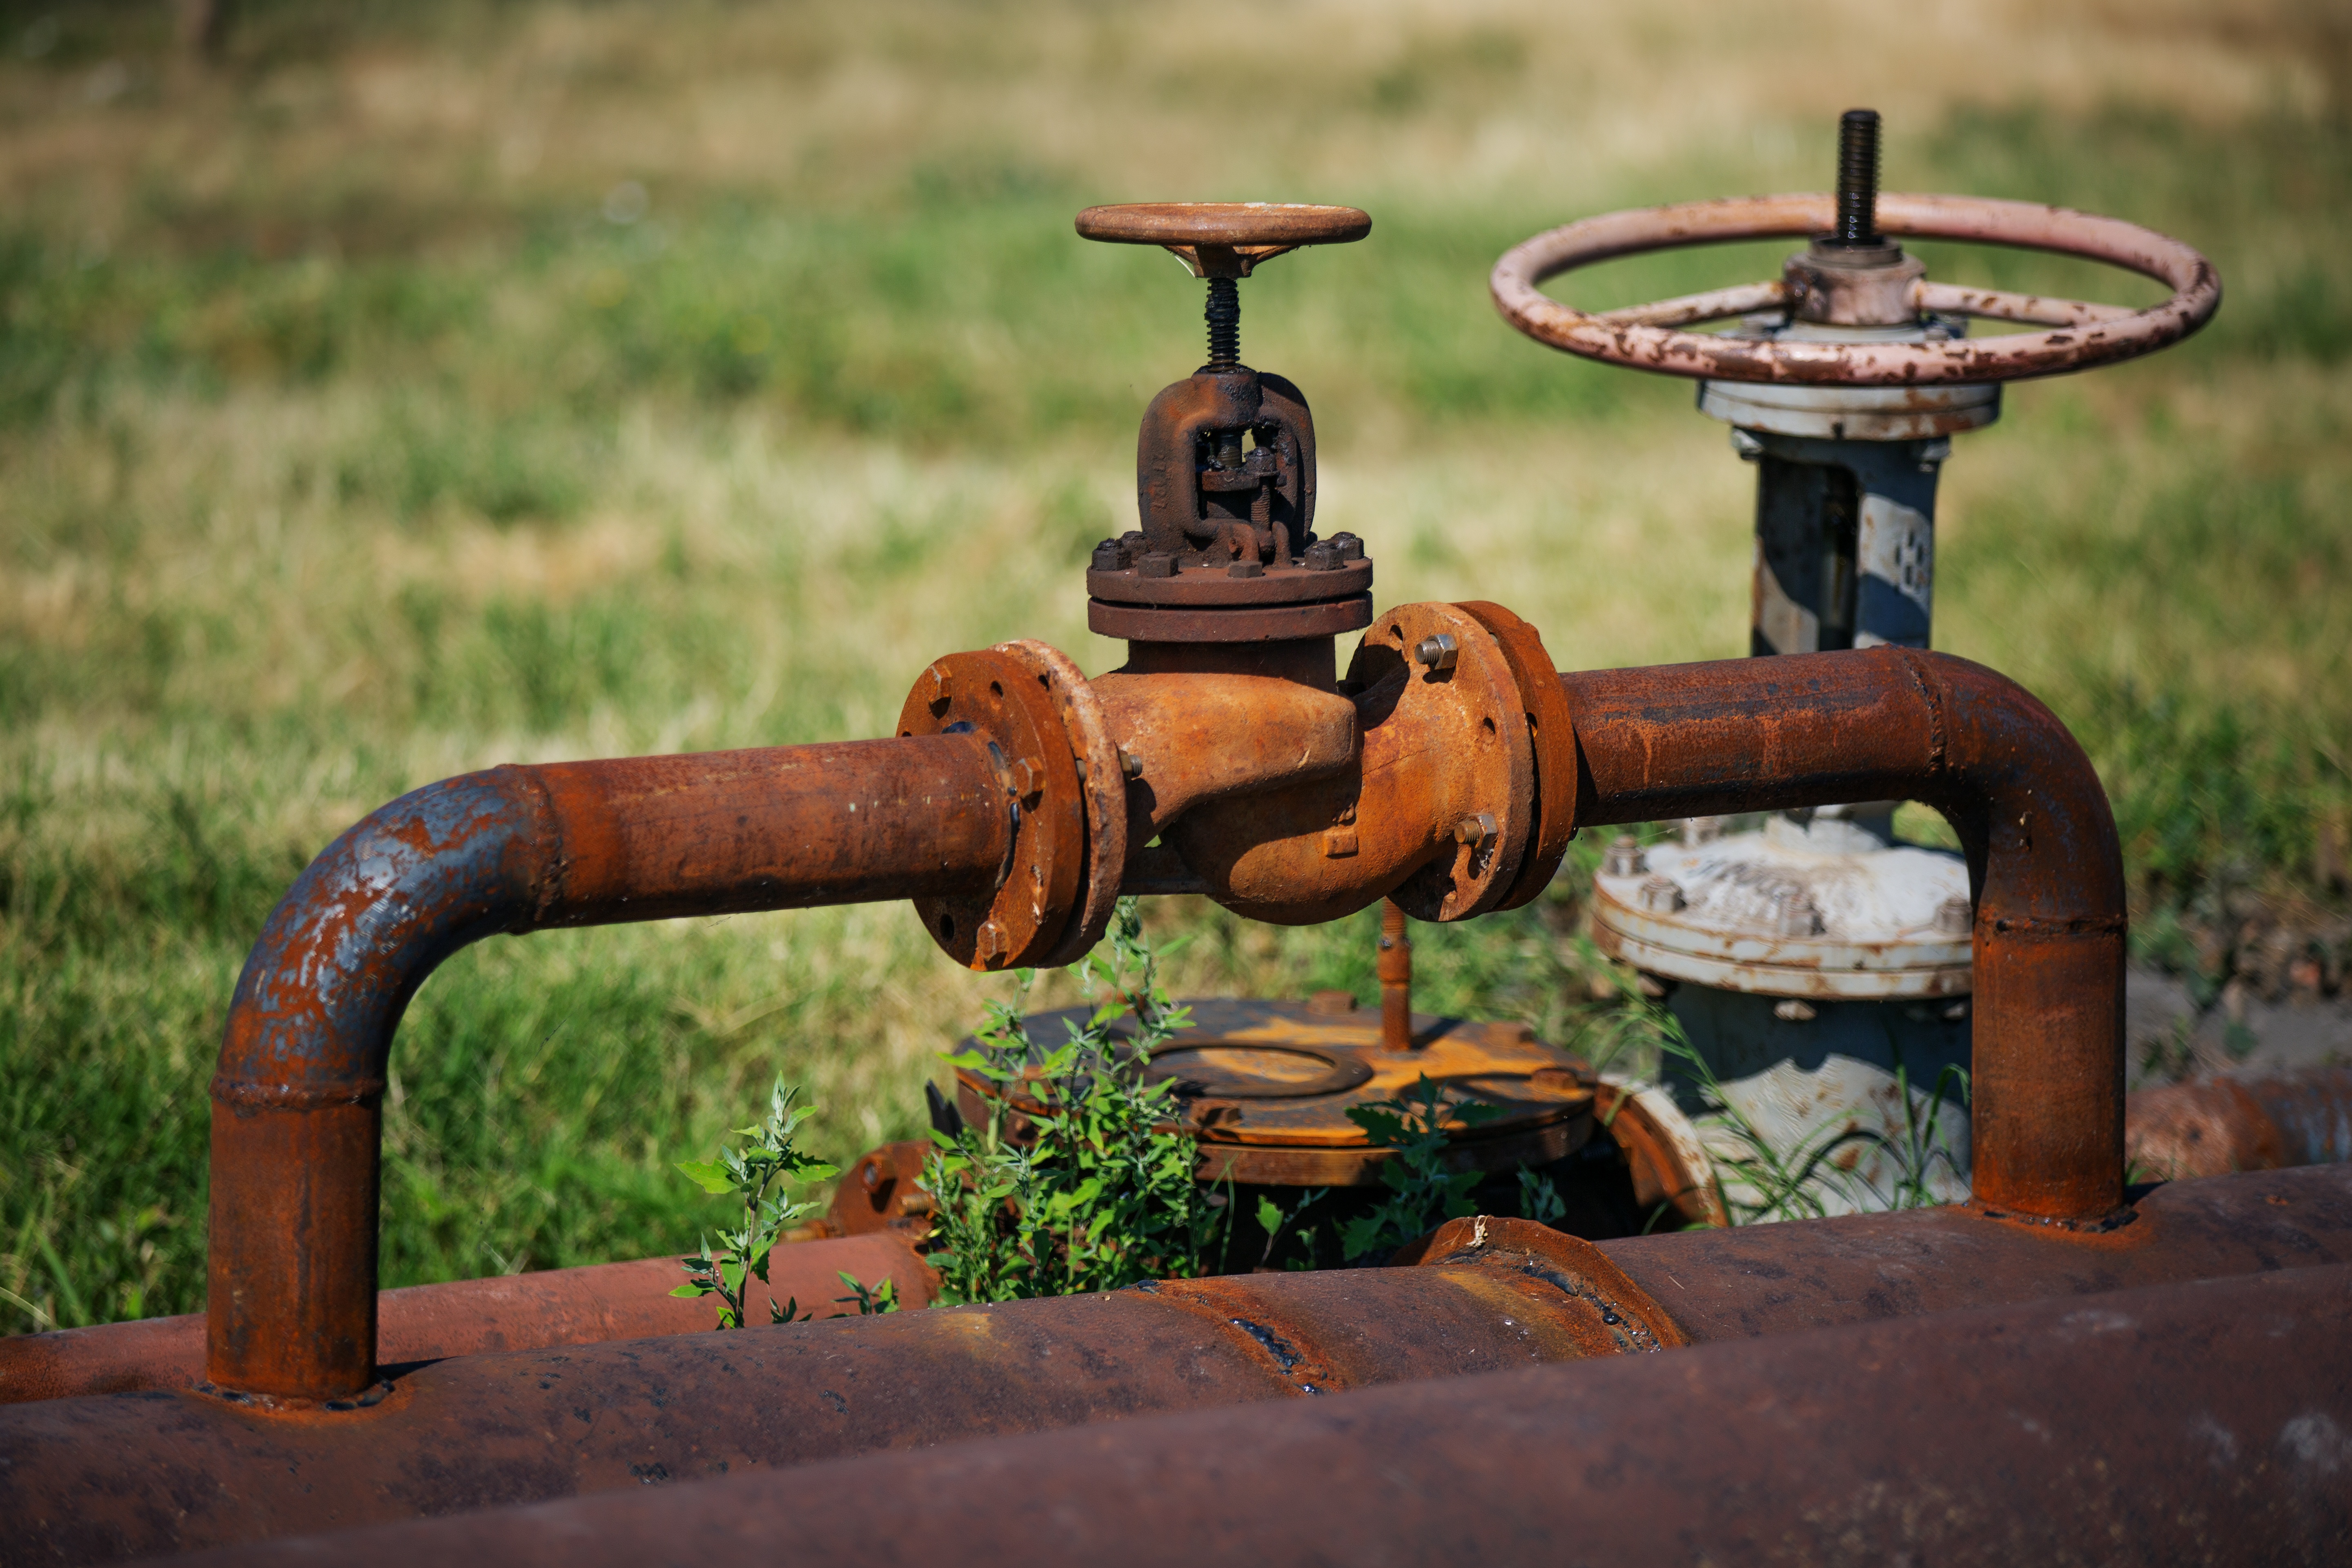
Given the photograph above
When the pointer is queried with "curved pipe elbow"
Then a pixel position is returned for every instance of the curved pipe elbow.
(1894, 723)
(296, 1117)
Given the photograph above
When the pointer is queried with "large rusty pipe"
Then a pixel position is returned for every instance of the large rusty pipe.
(102, 1478)
(291, 1289)
(587, 1305)
(2205, 1423)
(1891, 723)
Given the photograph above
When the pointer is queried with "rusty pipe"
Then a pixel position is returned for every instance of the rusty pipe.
(292, 1288)
(1883, 724)
(2208, 1422)
(91, 1480)
(538, 1311)
(2254, 1121)
(1396, 979)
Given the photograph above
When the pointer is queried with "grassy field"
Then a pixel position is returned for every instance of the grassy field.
(408, 390)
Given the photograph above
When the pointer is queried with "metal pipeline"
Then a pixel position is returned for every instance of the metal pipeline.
(1889, 723)
(98, 1479)
(2208, 1422)
(467, 1316)
(2254, 1121)
(291, 1289)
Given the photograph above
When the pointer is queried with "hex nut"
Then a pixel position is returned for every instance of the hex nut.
(1623, 857)
(939, 688)
(1351, 547)
(1110, 555)
(989, 943)
(1660, 896)
(1028, 779)
(1439, 652)
(1954, 917)
(1475, 830)
(1323, 556)
(1157, 564)
(1245, 569)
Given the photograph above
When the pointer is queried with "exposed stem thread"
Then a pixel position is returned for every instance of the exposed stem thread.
(1224, 316)
(1857, 191)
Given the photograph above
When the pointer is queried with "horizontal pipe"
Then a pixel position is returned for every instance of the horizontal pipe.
(2254, 1121)
(291, 1287)
(95, 1479)
(466, 1316)
(86, 1480)
(1891, 723)
(2208, 1422)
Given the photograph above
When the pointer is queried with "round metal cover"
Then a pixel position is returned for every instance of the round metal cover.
(1230, 1071)
(1761, 913)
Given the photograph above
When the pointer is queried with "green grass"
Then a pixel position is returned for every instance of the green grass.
(345, 444)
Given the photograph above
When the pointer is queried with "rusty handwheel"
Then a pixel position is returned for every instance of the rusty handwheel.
(1648, 337)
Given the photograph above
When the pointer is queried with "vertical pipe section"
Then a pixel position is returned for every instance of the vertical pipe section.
(291, 1292)
(1891, 723)
(1396, 979)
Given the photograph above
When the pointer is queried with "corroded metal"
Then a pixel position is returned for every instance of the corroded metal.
(1979, 1343)
(1889, 723)
(506, 1313)
(85, 1480)
(292, 1290)
(2252, 1121)
(1649, 337)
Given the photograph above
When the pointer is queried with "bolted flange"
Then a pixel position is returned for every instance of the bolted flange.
(1008, 696)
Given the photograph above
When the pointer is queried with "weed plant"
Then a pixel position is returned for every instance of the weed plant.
(759, 1176)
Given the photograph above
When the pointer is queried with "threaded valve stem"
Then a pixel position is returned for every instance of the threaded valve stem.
(1857, 190)
(1224, 317)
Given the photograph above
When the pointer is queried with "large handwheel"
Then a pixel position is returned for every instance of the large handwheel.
(1649, 337)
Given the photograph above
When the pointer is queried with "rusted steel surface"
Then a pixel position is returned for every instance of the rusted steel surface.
(881, 1192)
(1809, 1274)
(1191, 737)
(2211, 1127)
(1552, 733)
(2087, 335)
(466, 1316)
(1224, 239)
(1438, 811)
(1101, 782)
(86, 1480)
(292, 1282)
(1395, 965)
(1014, 918)
(2140, 1426)
(1888, 724)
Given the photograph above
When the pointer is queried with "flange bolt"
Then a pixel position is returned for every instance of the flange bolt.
(1623, 857)
(1110, 555)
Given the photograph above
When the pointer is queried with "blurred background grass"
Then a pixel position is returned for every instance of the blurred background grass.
(397, 390)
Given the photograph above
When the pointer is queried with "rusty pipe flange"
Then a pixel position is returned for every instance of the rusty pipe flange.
(1644, 337)
(1003, 697)
(1552, 733)
(1494, 832)
(1102, 785)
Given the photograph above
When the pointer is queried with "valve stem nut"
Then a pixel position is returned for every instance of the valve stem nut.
(1110, 555)
(1157, 564)
(1439, 652)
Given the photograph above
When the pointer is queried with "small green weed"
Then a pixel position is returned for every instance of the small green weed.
(761, 1175)
(1101, 1197)
(1422, 1192)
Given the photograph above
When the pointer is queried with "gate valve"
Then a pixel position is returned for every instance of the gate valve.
(1224, 461)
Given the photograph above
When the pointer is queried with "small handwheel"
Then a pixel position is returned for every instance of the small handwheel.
(1647, 336)
(1224, 239)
